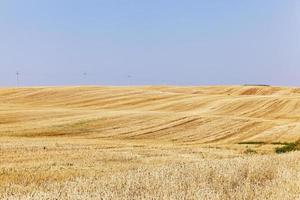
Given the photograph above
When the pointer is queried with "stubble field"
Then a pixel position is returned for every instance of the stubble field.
(149, 142)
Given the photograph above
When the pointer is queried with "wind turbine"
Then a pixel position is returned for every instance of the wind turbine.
(18, 80)
(84, 77)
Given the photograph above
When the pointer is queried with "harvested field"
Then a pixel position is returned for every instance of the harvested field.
(150, 142)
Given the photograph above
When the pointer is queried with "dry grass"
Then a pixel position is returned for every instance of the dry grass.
(253, 177)
(149, 143)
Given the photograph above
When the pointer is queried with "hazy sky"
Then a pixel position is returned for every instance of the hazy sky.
(178, 42)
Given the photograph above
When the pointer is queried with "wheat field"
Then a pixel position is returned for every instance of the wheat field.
(149, 142)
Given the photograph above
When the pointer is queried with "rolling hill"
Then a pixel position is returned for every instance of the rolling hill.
(199, 115)
(150, 142)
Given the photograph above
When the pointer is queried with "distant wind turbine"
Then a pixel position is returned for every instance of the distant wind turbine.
(84, 75)
(18, 79)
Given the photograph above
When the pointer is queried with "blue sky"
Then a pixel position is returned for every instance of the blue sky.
(137, 42)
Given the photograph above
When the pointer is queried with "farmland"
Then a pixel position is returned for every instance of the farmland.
(161, 142)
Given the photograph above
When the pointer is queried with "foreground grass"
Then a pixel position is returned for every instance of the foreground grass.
(242, 177)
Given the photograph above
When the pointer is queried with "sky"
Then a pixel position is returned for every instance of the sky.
(142, 42)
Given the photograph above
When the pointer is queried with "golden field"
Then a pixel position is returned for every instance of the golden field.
(150, 142)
